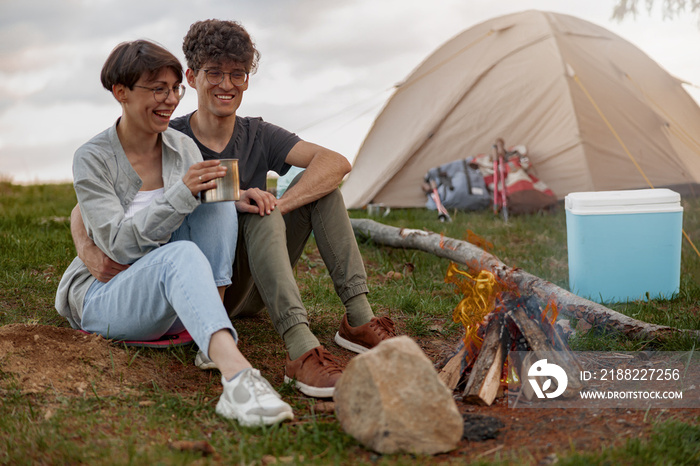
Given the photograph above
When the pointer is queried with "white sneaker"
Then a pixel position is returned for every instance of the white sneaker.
(203, 362)
(251, 400)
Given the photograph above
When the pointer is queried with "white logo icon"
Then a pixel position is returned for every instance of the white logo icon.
(542, 369)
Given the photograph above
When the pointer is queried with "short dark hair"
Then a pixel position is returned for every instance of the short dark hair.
(218, 40)
(131, 60)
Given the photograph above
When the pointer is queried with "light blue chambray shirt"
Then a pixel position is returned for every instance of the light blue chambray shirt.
(106, 184)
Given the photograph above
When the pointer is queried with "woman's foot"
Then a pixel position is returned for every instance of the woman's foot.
(250, 399)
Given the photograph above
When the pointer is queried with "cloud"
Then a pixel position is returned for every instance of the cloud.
(327, 66)
(40, 163)
(28, 125)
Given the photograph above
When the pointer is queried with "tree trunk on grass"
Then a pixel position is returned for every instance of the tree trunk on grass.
(477, 259)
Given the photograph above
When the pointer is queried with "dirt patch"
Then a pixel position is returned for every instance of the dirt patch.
(46, 359)
(63, 361)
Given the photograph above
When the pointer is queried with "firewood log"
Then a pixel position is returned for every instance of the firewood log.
(477, 259)
(485, 377)
(543, 349)
(451, 372)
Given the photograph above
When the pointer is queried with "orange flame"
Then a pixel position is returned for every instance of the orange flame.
(479, 299)
(552, 309)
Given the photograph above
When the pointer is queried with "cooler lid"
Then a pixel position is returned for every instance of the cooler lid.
(653, 200)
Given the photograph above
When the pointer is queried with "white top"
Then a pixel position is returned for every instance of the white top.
(142, 200)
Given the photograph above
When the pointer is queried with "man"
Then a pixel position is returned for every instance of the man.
(272, 232)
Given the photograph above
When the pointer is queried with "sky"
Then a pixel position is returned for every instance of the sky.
(327, 67)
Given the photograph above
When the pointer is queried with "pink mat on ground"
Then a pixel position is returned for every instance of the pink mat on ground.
(178, 339)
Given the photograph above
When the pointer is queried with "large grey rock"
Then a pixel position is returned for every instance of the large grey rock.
(391, 400)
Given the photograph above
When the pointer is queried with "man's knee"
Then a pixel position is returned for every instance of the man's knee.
(333, 203)
(266, 229)
(270, 221)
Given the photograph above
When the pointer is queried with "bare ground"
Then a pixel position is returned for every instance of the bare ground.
(47, 360)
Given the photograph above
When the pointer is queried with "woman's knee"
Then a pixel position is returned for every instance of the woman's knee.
(185, 252)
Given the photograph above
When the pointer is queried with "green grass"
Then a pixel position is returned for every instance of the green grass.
(124, 430)
(671, 443)
(35, 248)
(537, 244)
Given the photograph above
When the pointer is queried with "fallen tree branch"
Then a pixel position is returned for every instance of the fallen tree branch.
(476, 259)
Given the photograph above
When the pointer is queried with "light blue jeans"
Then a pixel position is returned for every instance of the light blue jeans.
(171, 288)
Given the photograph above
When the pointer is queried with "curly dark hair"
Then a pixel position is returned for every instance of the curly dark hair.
(128, 61)
(217, 40)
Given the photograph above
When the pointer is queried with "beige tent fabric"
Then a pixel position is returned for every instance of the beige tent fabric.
(584, 101)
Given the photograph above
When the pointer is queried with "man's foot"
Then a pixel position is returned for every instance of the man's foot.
(314, 372)
(251, 400)
(203, 362)
(365, 337)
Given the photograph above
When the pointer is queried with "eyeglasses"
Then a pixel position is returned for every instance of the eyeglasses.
(216, 77)
(161, 93)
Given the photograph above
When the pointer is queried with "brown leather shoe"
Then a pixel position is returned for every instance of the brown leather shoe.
(314, 372)
(365, 337)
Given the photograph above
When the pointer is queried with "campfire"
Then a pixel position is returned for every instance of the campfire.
(499, 325)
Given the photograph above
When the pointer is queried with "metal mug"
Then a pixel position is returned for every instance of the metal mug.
(227, 187)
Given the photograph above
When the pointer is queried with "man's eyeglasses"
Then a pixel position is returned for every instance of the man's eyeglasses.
(161, 93)
(216, 77)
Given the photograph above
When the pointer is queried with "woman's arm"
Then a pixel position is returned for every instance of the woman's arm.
(105, 184)
(98, 263)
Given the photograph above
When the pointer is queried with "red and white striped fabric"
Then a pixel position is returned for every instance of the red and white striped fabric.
(525, 192)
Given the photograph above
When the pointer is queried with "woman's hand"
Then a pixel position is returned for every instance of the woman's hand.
(200, 176)
(256, 201)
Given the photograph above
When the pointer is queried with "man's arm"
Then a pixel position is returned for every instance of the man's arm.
(98, 263)
(324, 172)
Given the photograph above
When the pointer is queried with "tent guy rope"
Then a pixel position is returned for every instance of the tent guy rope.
(578, 81)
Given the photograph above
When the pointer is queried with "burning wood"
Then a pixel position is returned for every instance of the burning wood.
(451, 373)
(485, 378)
(541, 345)
(498, 321)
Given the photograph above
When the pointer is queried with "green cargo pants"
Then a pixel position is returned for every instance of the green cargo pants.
(269, 248)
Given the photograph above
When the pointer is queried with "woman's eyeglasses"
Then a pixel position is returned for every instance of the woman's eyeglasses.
(161, 93)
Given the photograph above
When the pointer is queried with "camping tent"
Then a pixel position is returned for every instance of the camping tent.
(594, 111)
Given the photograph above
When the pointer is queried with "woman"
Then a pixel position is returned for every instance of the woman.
(137, 185)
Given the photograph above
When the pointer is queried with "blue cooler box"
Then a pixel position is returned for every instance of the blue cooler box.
(624, 244)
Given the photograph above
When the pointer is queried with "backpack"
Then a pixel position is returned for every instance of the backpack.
(459, 185)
